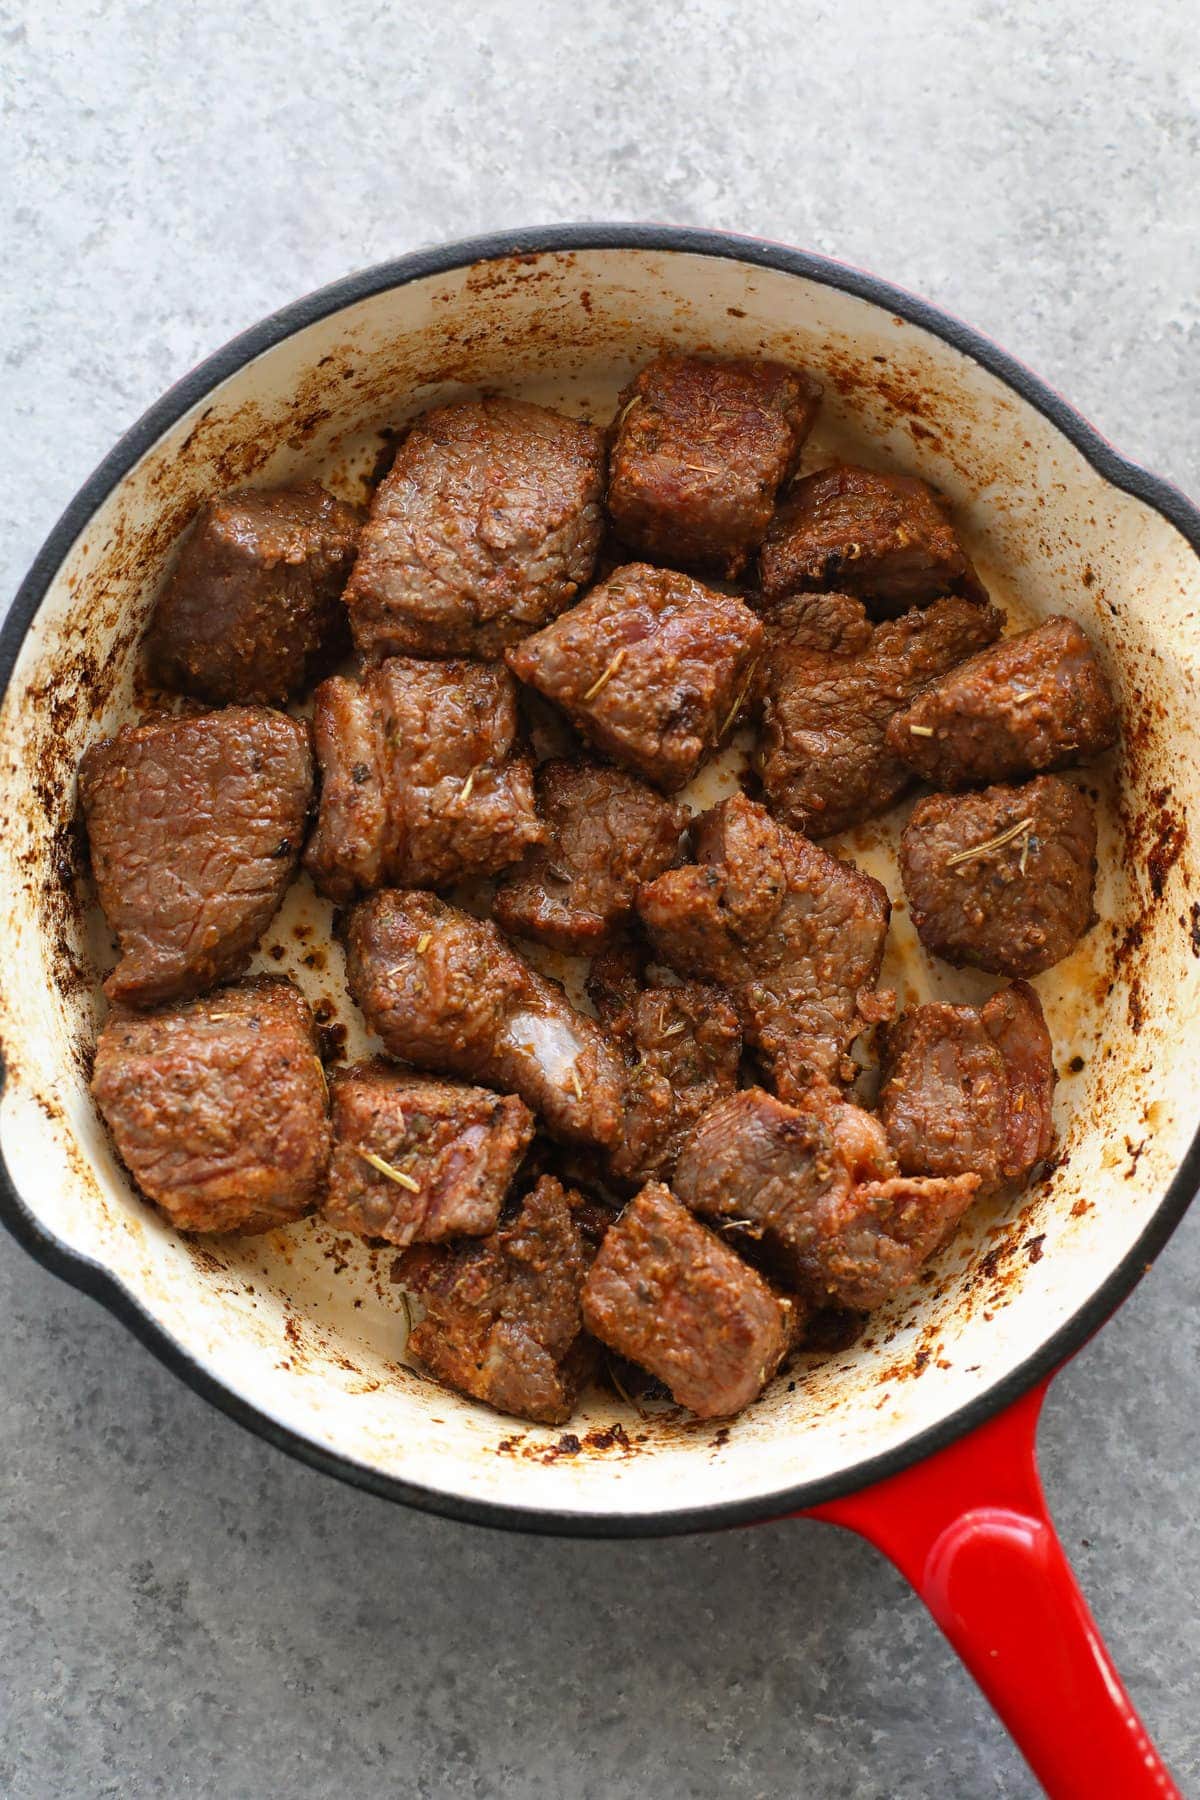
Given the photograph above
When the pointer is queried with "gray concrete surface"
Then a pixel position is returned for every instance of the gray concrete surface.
(185, 1612)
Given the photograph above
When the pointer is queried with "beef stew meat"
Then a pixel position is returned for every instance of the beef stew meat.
(423, 781)
(683, 1045)
(832, 683)
(970, 1089)
(605, 833)
(818, 1188)
(417, 1160)
(855, 531)
(652, 668)
(502, 1313)
(668, 1295)
(448, 992)
(1002, 879)
(702, 447)
(794, 934)
(486, 526)
(253, 606)
(1032, 702)
(194, 827)
(217, 1106)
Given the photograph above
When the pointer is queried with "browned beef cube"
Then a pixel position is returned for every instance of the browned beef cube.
(1002, 879)
(416, 1160)
(217, 1106)
(683, 1044)
(833, 681)
(1036, 701)
(667, 1294)
(652, 668)
(795, 934)
(422, 783)
(486, 526)
(968, 1088)
(885, 537)
(448, 992)
(702, 447)
(195, 827)
(819, 1188)
(605, 833)
(253, 606)
(502, 1313)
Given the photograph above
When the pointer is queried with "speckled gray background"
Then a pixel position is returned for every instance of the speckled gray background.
(182, 1610)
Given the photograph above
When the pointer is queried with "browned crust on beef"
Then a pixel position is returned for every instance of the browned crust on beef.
(652, 668)
(217, 1106)
(1016, 908)
(486, 526)
(702, 448)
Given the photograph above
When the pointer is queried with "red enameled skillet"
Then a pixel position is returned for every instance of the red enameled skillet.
(921, 1437)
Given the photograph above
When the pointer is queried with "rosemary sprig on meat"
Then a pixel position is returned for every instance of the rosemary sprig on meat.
(393, 1174)
(1023, 826)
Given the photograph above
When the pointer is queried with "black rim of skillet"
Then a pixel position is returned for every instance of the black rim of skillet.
(92, 1278)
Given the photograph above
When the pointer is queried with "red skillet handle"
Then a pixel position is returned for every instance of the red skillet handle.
(970, 1529)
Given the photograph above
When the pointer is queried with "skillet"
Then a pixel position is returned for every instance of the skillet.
(920, 1436)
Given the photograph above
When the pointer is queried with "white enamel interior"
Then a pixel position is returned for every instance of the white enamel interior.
(304, 1326)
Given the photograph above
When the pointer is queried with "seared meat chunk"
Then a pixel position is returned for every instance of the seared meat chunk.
(416, 1160)
(970, 1089)
(671, 1297)
(795, 934)
(652, 668)
(502, 1313)
(683, 1045)
(195, 827)
(486, 526)
(1002, 879)
(253, 606)
(217, 1106)
(422, 783)
(818, 1186)
(448, 992)
(605, 833)
(833, 681)
(701, 449)
(886, 537)
(1036, 701)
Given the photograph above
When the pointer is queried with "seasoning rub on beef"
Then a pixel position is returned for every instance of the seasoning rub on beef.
(818, 1188)
(486, 526)
(253, 606)
(195, 827)
(652, 668)
(417, 1160)
(1002, 879)
(970, 1089)
(423, 782)
(856, 531)
(832, 683)
(502, 1313)
(605, 832)
(217, 1106)
(794, 934)
(1036, 701)
(671, 1297)
(448, 992)
(702, 447)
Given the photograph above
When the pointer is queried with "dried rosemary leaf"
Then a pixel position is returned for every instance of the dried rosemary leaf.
(385, 1168)
(995, 843)
(608, 674)
(736, 708)
(921, 730)
(423, 942)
